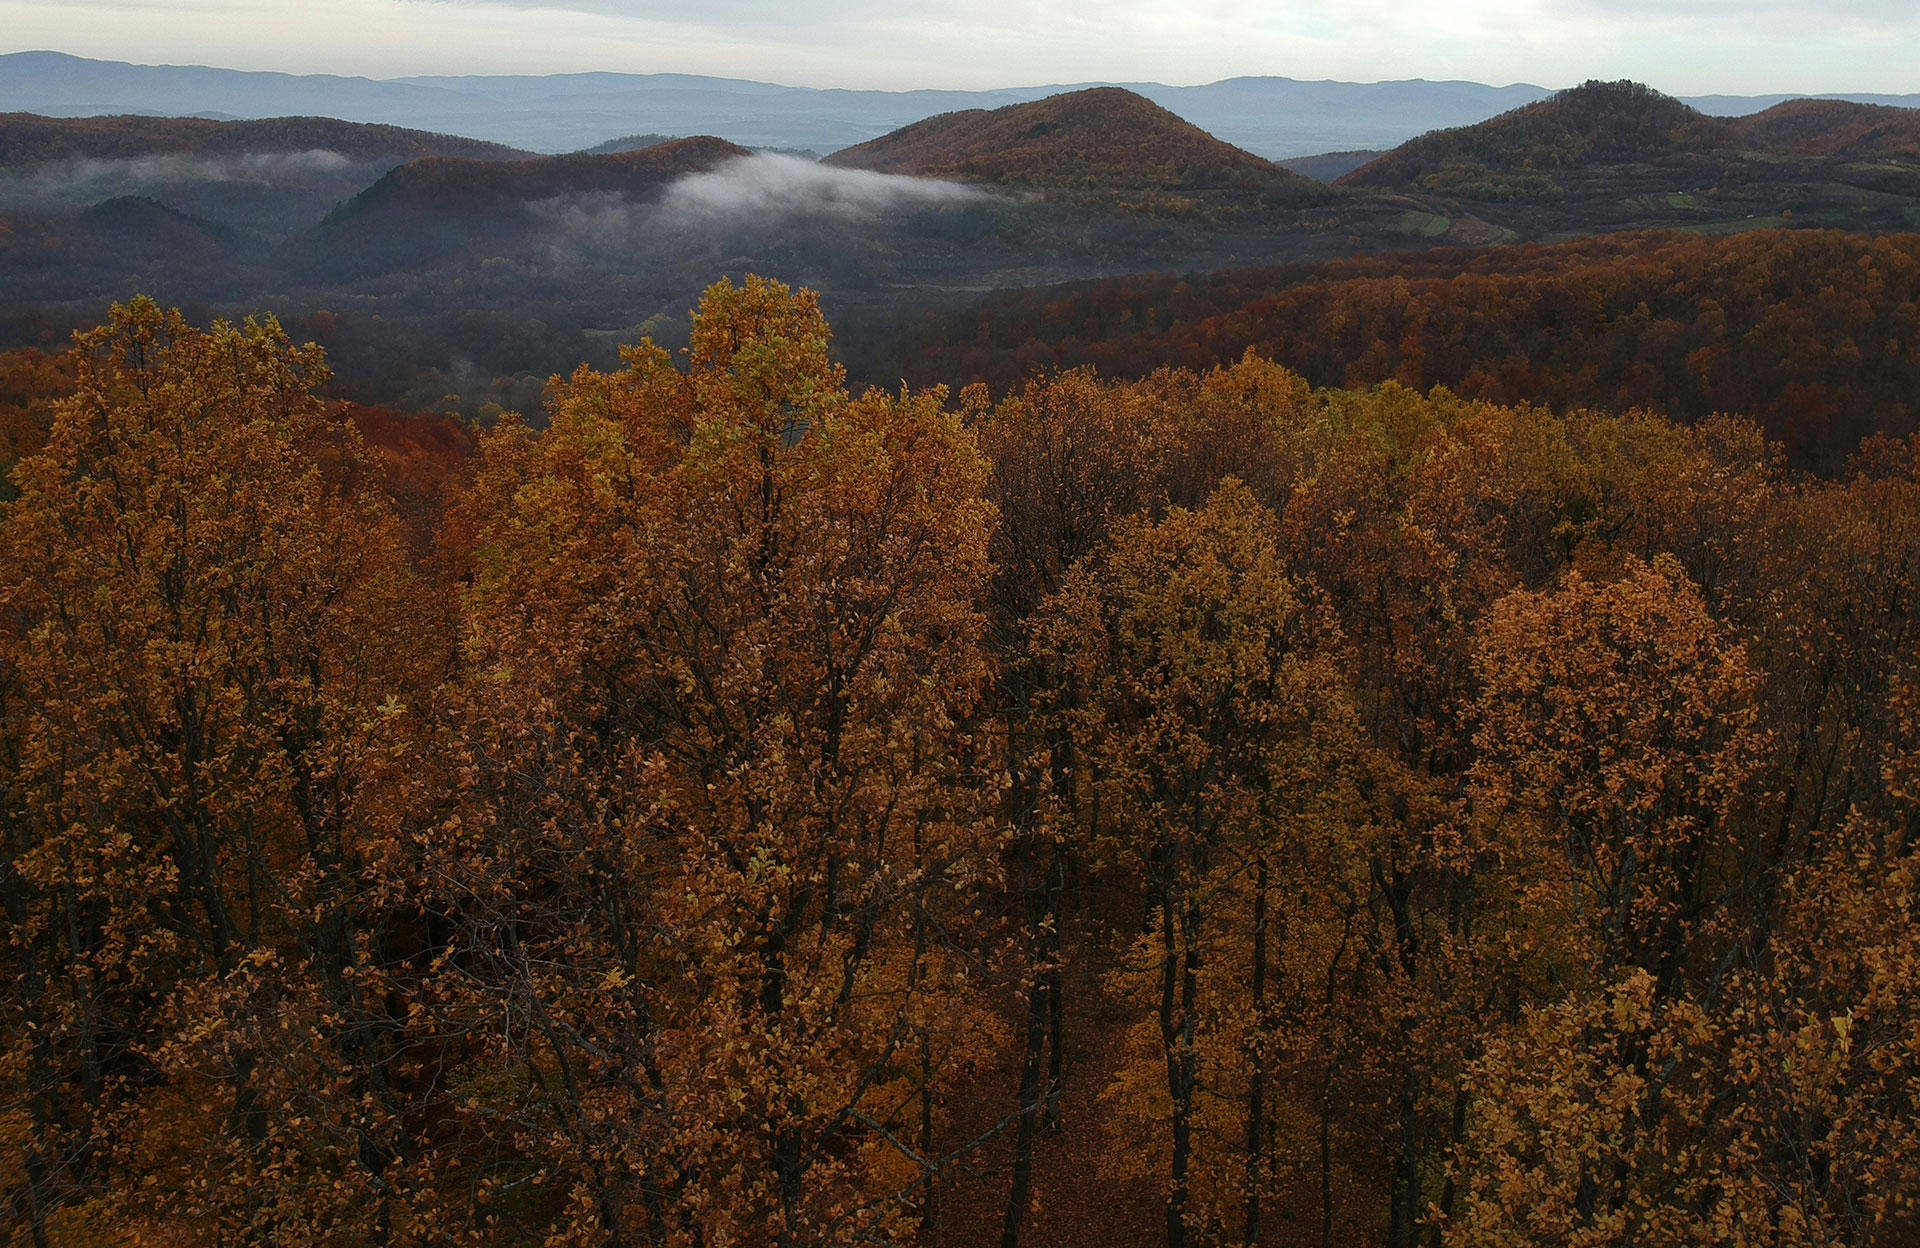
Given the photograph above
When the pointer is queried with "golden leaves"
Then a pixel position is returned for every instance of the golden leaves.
(1498, 803)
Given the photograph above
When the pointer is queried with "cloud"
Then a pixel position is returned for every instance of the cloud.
(780, 13)
(1888, 14)
(764, 205)
(766, 185)
(589, 214)
(745, 197)
(83, 181)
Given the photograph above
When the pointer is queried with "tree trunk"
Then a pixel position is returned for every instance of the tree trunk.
(1404, 1212)
(1326, 1157)
(1020, 1194)
(1448, 1193)
(1257, 1085)
(1056, 989)
(1181, 971)
(927, 1209)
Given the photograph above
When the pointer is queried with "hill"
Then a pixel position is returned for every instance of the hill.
(1103, 139)
(1617, 155)
(626, 143)
(464, 187)
(443, 204)
(1327, 166)
(121, 245)
(1807, 332)
(1836, 129)
(135, 219)
(274, 177)
(634, 142)
(1514, 156)
(30, 139)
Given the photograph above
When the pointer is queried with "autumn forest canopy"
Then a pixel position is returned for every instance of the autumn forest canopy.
(1209, 708)
(1197, 809)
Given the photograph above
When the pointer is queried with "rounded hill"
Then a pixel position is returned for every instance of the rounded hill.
(426, 210)
(1100, 139)
(456, 186)
(1514, 155)
(138, 220)
(1835, 128)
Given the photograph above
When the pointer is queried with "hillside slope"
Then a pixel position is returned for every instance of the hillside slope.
(1805, 331)
(30, 139)
(1103, 139)
(444, 203)
(273, 177)
(1835, 129)
(1514, 155)
(455, 185)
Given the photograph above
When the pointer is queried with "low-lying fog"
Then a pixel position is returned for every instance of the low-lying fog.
(80, 182)
(750, 194)
(764, 183)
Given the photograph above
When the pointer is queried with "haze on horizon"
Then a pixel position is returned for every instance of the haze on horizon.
(1716, 46)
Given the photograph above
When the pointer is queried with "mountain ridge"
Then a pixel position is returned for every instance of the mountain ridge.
(1515, 154)
(30, 138)
(455, 183)
(1835, 128)
(1106, 138)
(1270, 115)
(441, 204)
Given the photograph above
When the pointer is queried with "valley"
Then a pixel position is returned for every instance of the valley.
(451, 274)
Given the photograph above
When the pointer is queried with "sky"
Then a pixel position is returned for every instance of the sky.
(1684, 47)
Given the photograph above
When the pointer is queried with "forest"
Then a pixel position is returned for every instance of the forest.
(1810, 333)
(1219, 806)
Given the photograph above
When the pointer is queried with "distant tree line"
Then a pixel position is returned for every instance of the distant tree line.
(1813, 334)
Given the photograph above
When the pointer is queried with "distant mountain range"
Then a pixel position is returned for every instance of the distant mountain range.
(1277, 118)
(451, 266)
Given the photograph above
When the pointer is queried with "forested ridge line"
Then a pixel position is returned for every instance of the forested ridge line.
(1813, 334)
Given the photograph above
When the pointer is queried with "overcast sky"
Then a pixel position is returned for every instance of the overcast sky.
(1686, 47)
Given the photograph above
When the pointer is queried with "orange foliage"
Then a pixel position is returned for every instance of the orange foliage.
(1202, 809)
(1809, 333)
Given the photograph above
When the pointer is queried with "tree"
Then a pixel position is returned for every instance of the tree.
(210, 648)
(1617, 739)
(1425, 509)
(727, 813)
(1618, 746)
(1213, 727)
(1070, 458)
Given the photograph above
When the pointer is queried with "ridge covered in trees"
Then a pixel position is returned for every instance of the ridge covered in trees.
(1101, 138)
(1199, 809)
(1596, 123)
(458, 184)
(439, 206)
(28, 139)
(1835, 128)
(1810, 333)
